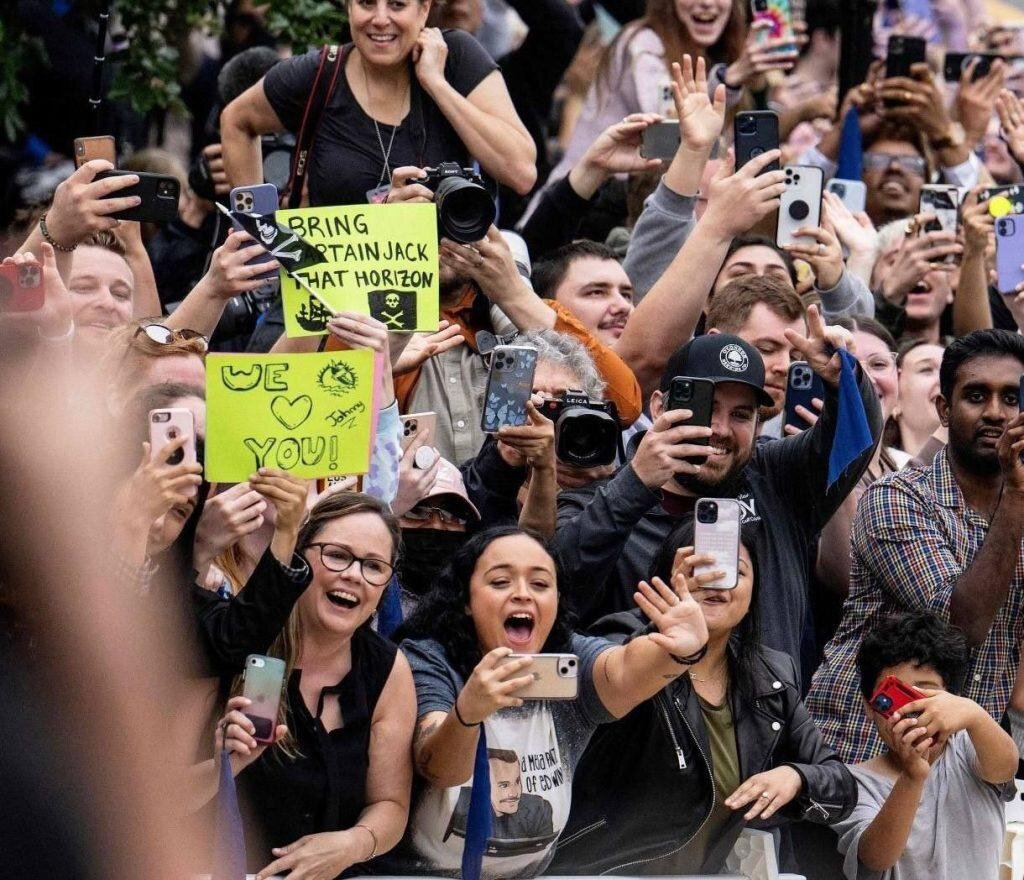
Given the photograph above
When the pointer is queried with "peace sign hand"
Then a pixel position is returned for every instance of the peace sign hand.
(819, 347)
(682, 630)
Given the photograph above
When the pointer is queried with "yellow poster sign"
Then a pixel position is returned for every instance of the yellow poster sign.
(309, 414)
(381, 261)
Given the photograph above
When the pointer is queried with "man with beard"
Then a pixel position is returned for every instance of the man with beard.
(944, 538)
(609, 533)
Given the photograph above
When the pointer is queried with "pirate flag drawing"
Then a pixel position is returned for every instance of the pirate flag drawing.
(396, 308)
(291, 251)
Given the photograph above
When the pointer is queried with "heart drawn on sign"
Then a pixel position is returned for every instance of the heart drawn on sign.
(292, 413)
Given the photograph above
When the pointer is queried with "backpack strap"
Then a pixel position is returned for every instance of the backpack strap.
(332, 60)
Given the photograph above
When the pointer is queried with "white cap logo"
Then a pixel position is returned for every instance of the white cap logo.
(734, 358)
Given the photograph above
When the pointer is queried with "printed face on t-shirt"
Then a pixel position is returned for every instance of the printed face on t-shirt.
(506, 786)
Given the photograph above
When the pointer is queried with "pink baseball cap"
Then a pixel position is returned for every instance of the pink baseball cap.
(449, 484)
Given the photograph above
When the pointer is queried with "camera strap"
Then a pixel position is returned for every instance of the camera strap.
(332, 62)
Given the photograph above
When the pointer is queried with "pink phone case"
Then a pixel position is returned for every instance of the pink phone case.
(166, 425)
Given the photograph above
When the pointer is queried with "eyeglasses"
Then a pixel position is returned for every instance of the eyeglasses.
(337, 558)
(162, 335)
(878, 364)
(881, 161)
(422, 514)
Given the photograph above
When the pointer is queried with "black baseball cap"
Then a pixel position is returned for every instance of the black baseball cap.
(720, 357)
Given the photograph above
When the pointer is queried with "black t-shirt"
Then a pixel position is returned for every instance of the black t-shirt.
(347, 159)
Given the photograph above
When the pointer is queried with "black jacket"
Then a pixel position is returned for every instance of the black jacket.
(643, 787)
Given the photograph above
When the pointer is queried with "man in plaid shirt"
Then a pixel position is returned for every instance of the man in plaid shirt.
(947, 538)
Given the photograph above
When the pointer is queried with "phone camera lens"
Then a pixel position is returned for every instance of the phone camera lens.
(572, 663)
(747, 125)
(882, 703)
(839, 189)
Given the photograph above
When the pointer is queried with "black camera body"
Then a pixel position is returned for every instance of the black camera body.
(465, 209)
(587, 432)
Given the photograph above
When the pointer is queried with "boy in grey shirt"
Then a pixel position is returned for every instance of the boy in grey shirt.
(931, 806)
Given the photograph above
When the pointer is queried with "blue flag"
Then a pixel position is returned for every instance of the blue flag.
(851, 154)
(478, 822)
(228, 834)
(853, 435)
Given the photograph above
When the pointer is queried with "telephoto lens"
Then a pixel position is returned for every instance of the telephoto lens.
(465, 210)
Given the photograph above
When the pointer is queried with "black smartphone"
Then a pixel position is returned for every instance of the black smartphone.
(957, 62)
(756, 132)
(1020, 395)
(904, 53)
(696, 395)
(159, 194)
(802, 386)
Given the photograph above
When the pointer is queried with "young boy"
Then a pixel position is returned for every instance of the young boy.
(931, 807)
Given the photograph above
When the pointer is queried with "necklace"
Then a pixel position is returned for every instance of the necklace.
(385, 154)
(710, 678)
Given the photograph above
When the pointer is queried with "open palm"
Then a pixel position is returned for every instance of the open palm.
(700, 118)
(682, 630)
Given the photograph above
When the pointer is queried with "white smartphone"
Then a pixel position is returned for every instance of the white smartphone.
(801, 204)
(166, 425)
(717, 534)
(852, 193)
(555, 676)
(942, 200)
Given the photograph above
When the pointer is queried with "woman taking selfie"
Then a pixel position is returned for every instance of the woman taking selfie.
(333, 790)
(727, 743)
(500, 598)
(407, 95)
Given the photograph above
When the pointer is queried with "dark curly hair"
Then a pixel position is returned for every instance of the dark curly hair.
(746, 637)
(441, 615)
(920, 637)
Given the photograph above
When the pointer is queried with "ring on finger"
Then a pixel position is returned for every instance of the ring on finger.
(821, 248)
(766, 795)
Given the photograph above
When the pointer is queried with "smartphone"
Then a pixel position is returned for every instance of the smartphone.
(1003, 200)
(942, 200)
(555, 676)
(159, 194)
(1009, 253)
(416, 422)
(852, 193)
(717, 533)
(800, 203)
(262, 683)
(696, 395)
(100, 147)
(892, 695)
(778, 14)
(509, 386)
(903, 53)
(756, 132)
(21, 288)
(166, 425)
(660, 140)
(956, 63)
(802, 386)
(259, 199)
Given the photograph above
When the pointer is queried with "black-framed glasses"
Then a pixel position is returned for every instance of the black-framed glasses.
(881, 161)
(162, 335)
(420, 513)
(337, 558)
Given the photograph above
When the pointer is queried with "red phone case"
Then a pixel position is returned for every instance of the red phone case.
(21, 288)
(892, 695)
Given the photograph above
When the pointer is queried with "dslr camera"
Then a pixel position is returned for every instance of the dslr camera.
(587, 432)
(465, 210)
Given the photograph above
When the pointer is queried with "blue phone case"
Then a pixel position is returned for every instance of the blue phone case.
(260, 199)
(1009, 252)
(802, 385)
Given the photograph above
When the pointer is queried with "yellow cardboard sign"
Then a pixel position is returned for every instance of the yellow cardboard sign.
(309, 414)
(381, 261)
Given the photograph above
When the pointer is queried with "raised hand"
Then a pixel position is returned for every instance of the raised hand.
(616, 150)
(856, 231)
(700, 118)
(422, 346)
(429, 56)
(976, 99)
(80, 206)
(823, 254)
(739, 200)
(1011, 118)
(413, 482)
(682, 630)
(818, 348)
(489, 262)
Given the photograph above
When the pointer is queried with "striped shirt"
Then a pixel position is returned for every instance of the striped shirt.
(913, 537)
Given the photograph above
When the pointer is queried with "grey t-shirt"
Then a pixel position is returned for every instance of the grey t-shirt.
(533, 753)
(957, 832)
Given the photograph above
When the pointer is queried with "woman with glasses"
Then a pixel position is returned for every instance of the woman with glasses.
(333, 789)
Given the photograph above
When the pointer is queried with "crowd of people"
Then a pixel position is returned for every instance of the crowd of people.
(881, 521)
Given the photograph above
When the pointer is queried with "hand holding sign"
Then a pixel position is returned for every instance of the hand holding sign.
(306, 414)
(288, 494)
(363, 331)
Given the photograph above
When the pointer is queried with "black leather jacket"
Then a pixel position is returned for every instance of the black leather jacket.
(643, 788)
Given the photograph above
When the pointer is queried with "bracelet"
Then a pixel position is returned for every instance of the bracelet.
(695, 657)
(460, 719)
(373, 837)
(49, 239)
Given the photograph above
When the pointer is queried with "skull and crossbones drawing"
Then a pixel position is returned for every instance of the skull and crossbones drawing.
(396, 317)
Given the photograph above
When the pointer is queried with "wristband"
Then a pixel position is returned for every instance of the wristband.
(695, 657)
(45, 233)
(373, 837)
(460, 719)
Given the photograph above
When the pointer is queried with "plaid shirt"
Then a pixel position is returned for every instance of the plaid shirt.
(913, 536)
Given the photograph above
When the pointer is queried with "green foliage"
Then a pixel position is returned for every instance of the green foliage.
(307, 23)
(18, 51)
